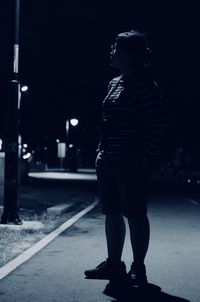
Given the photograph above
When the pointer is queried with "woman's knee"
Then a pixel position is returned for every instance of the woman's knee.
(114, 216)
(139, 219)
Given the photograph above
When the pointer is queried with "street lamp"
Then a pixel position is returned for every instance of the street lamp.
(73, 122)
(10, 212)
(24, 88)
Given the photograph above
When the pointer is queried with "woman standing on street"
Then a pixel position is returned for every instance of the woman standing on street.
(133, 125)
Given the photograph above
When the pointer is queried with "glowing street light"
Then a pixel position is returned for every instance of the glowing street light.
(74, 122)
(27, 156)
(24, 88)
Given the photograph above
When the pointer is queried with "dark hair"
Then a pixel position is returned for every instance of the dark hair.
(135, 42)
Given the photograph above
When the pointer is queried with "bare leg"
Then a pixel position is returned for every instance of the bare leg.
(115, 236)
(139, 234)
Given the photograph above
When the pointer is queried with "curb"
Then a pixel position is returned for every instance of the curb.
(27, 254)
(53, 211)
(60, 209)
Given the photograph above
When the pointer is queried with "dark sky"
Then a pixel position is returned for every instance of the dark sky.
(64, 58)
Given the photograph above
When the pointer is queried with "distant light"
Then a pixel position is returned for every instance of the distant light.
(189, 180)
(24, 88)
(74, 122)
(57, 141)
(25, 145)
(19, 139)
(27, 156)
(1, 143)
(71, 146)
(198, 181)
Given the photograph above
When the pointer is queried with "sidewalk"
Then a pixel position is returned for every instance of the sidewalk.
(55, 187)
(41, 195)
(44, 206)
(82, 175)
(55, 274)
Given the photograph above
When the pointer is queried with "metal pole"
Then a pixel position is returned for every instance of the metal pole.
(61, 163)
(10, 213)
(67, 142)
(67, 134)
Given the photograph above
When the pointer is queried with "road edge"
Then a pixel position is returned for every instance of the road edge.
(30, 252)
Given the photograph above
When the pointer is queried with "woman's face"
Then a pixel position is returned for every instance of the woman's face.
(115, 56)
(120, 58)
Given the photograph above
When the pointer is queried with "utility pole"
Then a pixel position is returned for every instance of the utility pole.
(10, 213)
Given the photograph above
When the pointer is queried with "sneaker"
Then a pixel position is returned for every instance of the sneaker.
(137, 275)
(105, 270)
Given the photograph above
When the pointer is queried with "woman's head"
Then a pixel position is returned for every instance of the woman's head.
(130, 48)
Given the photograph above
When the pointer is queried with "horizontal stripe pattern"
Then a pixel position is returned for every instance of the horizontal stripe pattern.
(133, 116)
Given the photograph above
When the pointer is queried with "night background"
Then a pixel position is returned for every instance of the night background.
(65, 62)
(64, 59)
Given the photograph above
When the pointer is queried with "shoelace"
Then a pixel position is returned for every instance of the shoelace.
(102, 264)
(132, 273)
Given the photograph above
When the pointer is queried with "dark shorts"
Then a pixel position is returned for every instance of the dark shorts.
(123, 184)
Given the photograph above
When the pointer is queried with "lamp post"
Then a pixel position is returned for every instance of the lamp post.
(73, 122)
(10, 213)
(67, 134)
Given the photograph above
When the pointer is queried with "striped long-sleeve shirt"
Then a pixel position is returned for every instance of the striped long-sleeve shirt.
(133, 117)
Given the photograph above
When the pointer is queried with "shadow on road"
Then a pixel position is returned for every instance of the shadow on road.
(152, 293)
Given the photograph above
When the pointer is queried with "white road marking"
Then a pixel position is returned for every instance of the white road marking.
(26, 255)
(194, 202)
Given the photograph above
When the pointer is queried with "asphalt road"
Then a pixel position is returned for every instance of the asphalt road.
(55, 274)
